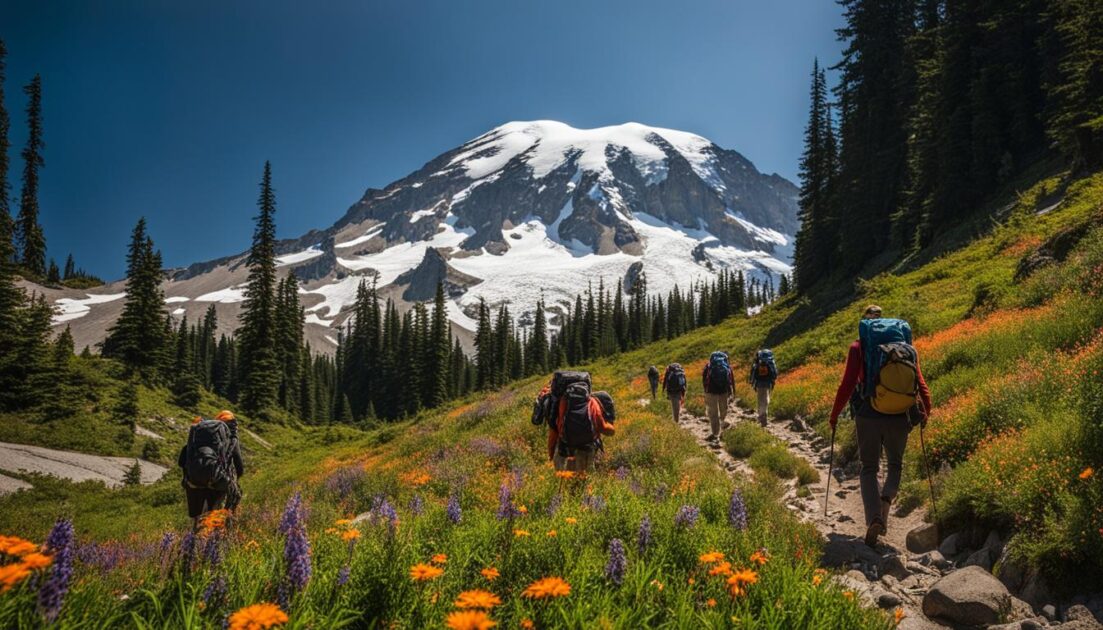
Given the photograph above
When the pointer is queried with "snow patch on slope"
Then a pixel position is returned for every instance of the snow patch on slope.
(70, 308)
(298, 257)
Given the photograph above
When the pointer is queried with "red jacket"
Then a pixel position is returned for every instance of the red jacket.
(854, 373)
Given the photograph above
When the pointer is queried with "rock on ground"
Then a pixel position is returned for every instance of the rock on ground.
(922, 538)
(11, 484)
(969, 596)
(74, 466)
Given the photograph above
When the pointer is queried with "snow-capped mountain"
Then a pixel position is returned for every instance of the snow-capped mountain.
(528, 208)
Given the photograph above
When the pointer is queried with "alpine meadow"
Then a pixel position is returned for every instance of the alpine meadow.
(597, 374)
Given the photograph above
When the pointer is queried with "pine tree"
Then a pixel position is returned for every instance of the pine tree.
(258, 363)
(816, 240)
(12, 297)
(133, 475)
(537, 353)
(484, 349)
(53, 274)
(438, 364)
(1075, 117)
(29, 236)
(137, 337)
(289, 342)
(70, 268)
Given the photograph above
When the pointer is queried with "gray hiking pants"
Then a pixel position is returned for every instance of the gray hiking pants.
(763, 403)
(873, 435)
(676, 408)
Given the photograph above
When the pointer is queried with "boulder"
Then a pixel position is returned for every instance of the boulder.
(980, 558)
(889, 600)
(1020, 609)
(1034, 623)
(934, 559)
(1010, 571)
(922, 538)
(1078, 617)
(949, 547)
(1035, 590)
(969, 596)
(1050, 612)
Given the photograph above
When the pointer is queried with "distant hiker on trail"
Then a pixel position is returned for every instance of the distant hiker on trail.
(719, 382)
(211, 462)
(887, 395)
(653, 380)
(763, 376)
(576, 420)
(674, 384)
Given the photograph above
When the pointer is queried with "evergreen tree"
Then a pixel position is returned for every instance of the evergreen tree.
(536, 355)
(484, 349)
(438, 364)
(137, 338)
(12, 298)
(258, 362)
(816, 239)
(70, 268)
(29, 236)
(133, 476)
(53, 274)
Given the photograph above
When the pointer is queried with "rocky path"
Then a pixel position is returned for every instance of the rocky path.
(913, 576)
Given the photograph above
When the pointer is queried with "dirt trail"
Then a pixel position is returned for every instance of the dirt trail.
(888, 576)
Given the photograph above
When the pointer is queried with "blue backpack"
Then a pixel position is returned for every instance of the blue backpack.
(890, 364)
(674, 382)
(764, 369)
(718, 374)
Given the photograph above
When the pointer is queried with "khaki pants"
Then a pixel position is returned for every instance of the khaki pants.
(716, 405)
(763, 404)
(582, 461)
(873, 435)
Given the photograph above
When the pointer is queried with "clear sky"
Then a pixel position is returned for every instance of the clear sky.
(168, 109)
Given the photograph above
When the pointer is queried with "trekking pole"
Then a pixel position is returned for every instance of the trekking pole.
(830, 467)
(927, 470)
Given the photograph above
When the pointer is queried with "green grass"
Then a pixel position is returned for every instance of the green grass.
(767, 454)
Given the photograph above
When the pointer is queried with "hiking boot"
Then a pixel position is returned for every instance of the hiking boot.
(885, 505)
(874, 531)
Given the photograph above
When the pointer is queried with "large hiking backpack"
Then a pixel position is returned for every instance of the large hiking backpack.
(547, 402)
(718, 374)
(764, 370)
(891, 371)
(674, 382)
(576, 426)
(207, 455)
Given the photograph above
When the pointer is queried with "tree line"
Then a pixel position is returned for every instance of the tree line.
(939, 104)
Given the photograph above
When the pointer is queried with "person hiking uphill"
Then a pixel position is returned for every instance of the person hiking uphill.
(719, 382)
(576, 420)
(763, 376)
(653, 380)
(211, 462)
(674, 384)
(886, 391)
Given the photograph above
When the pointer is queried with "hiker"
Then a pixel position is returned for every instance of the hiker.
(674, 384)
(576, 420)
(884, 386)
(719, 385)
(211, 462)
(653, 380)
(763, 375)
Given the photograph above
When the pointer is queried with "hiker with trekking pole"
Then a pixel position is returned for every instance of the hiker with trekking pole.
(887, 395)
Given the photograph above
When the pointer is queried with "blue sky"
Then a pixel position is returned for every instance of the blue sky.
(168, 109)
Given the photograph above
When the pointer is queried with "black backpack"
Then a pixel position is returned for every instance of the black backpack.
(718, 374)
(546, 406)
(675, 380)
(608, 409)
(576, 427)
(207, 455)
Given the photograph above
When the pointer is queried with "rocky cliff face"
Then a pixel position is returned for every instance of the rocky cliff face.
(527, 209)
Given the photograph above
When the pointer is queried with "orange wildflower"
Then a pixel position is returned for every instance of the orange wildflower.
(477, 599)
(215, 519)
(520, 533)
(469, 620)
(522, 509)
(740, 580)
(490, 573)
(711, 557)
(350, 534)
(16, 546)
(759, 557)
(711, 603)
(258, 617)
(439, 558)
(657, 584)
(547, 587)
(36, 561)
(527, 624)
(1087, 473)
(341, 522)
(897, 616)
(691, 581)
(570, 520)
(721, 568)
(564, 474)
(422, 572)
(848, 594)
(12, 574)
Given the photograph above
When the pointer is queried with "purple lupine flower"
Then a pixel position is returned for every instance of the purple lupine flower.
(292, 514)
(635, 486)
(506, 509)
(343, 575)
(618, 563)
(737, 511)
(383, 512)
(516, 478)
(344, 480)
(487, 447)
(166, 544)
(187, 551)
(621, 473)
(643, 537)
(212, 550)
(59, 544)
(553, 505)
(417, 505)
(594, 502)
(455, 514)
(687, 516)
(296, 547)
(661, 492)
(215, 593)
